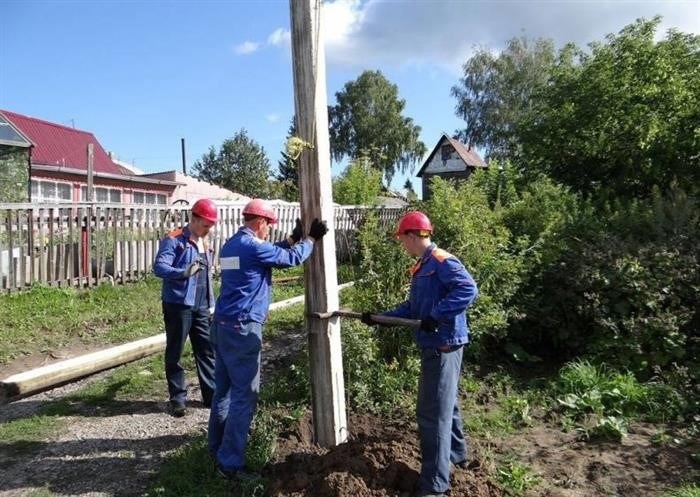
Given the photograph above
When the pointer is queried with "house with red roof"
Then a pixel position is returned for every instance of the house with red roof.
(450, 159)
(57, 161)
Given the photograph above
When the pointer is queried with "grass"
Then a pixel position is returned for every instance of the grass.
(496, 406)
(516, 478)
(29, 430)
(599, 403)
(46, 319)
(691, 490)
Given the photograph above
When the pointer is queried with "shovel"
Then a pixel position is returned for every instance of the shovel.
(377, 318)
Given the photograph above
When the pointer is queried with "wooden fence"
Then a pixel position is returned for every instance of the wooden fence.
(82, 244)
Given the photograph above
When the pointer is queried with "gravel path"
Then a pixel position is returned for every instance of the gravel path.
(110, 451)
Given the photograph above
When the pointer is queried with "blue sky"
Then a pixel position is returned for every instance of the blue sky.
(141, 75)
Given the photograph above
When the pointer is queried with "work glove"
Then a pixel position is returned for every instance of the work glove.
(429, 324)
(192, 269)
(367, 319)
(318, 229)
(296, 232)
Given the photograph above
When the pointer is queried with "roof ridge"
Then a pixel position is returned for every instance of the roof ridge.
(43, 121)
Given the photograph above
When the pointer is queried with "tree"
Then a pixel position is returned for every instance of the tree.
(288, 170)
(368, 120)
(495, 92)
(623, 117)
(240, 165)
(14, 174)
(359, 184)
(410, 192)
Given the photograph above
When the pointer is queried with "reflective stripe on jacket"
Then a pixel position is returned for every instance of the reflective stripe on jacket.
(246, 274)
(177, 251)
(441, 287)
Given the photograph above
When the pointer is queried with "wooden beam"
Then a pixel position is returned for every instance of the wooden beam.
(52, 375)
(320, 275)
(58, 373)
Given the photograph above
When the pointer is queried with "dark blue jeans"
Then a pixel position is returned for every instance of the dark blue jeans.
(180, 322)
(238, 348)
(439, 422)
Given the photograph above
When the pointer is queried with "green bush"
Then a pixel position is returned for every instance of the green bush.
(466, 226)
(583, 388)
(625, 288)
(374, 383)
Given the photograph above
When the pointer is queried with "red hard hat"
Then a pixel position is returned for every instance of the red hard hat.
(258, 207)
(414, 220)
(206, 209)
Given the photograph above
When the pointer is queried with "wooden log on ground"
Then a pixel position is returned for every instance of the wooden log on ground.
(59, 373)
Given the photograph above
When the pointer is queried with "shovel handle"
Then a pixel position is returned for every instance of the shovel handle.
(378, 318)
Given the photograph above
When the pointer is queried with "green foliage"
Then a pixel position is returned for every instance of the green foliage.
(288, 171)
(31, 429)
(583, 388)
(516, 478)
(495, 92)
(44, 318)
(610, 428)
(623, 117)
(239, 165)
(617, 280)
(466, 226)
(691, 490)
(359, 184)
(500, 183)
(14, 174)
(261, 441)
(372, 382)
(189, 472)
(367, 120)
(383, 283)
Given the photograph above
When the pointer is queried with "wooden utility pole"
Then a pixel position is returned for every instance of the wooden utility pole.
(320, 277)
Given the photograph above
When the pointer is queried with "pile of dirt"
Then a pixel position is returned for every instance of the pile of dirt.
(381, 458)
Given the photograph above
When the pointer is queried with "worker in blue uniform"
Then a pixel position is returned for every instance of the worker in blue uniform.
(184, 262)
(246, 261)
(440, 293)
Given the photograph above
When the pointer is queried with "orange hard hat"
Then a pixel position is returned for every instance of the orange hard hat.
(414, 221)
(258, 207)
(206, 209)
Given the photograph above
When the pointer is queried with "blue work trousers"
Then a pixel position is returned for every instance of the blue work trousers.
(182, 321)
(238, 347)
(439, 422)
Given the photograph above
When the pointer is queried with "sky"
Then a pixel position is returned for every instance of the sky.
(141, 74)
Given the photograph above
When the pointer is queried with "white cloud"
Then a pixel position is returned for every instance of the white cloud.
(280, 36)
(444, 33)
(247, 47)
(272, 118)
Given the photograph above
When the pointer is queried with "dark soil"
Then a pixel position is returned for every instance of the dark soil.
(382, 458)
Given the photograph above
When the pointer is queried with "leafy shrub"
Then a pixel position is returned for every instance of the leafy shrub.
(383, 284)
(582, 389)
(516, 478)
(373, 383)
(625, 287)
(467, 227)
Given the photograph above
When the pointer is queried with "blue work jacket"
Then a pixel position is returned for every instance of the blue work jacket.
(177, 251)
(441, 287)
(246, 274)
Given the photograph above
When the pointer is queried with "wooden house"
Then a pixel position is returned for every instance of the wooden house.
(450, 159)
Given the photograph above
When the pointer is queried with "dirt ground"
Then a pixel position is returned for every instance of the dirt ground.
(382, 458)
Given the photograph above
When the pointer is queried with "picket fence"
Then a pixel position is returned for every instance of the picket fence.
(82, 244)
